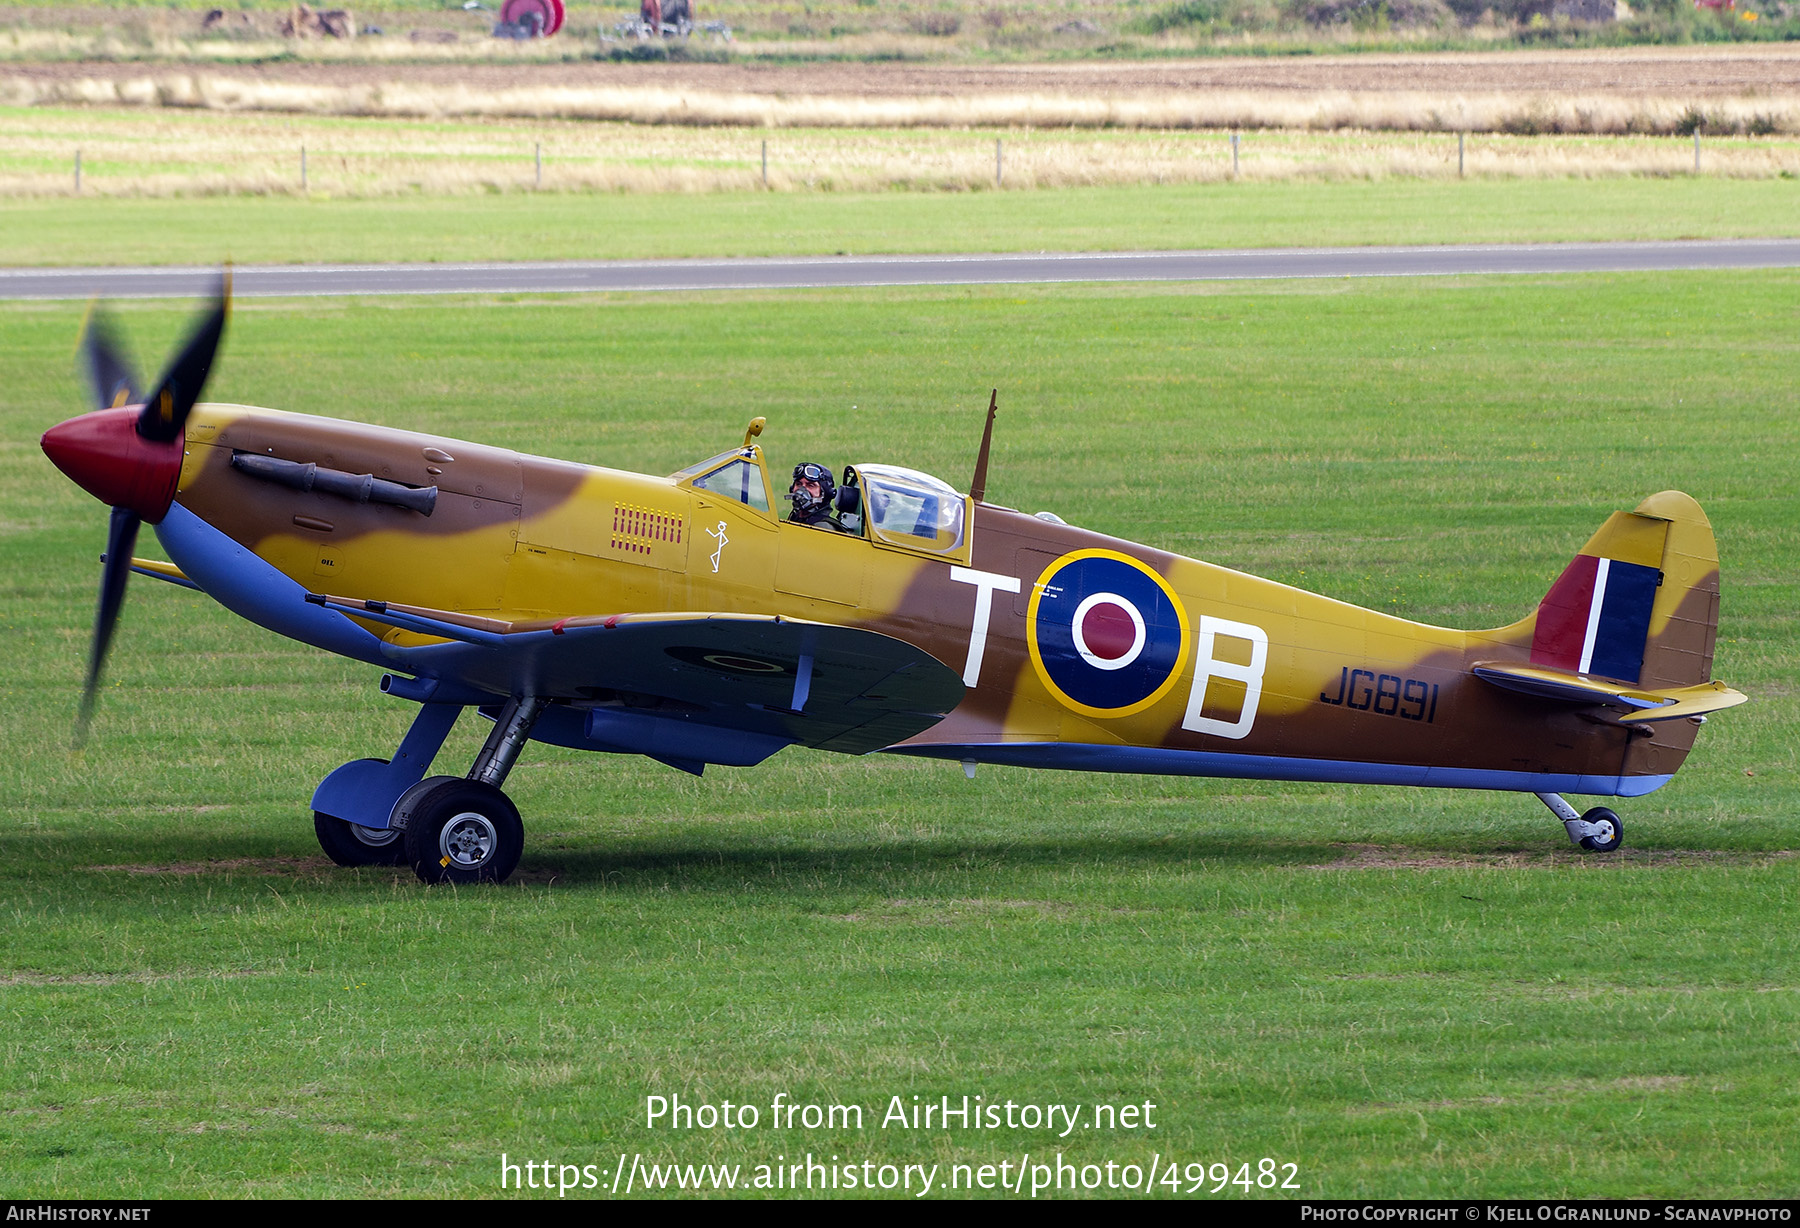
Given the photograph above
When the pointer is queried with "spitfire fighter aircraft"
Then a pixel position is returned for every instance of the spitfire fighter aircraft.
(684, 619)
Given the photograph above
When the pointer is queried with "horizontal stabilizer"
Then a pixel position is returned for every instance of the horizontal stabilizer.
(1691, 701)
(1646, 703)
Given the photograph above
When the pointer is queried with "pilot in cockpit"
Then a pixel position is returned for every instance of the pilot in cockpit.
(814, 496)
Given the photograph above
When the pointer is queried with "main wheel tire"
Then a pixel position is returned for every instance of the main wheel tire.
(351, 844)
(462, 831)
(1615, 831)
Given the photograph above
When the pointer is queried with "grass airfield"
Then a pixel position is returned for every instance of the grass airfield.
(584, 226)
(1404, 993)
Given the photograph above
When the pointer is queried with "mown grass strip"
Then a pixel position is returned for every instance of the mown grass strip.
(552, 227)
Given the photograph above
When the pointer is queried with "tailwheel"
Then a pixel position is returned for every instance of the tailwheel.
(1597, 831)
(463, 831)
(352, 844)
(1610, 833)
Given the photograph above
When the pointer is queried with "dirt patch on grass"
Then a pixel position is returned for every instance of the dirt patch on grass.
(1651, 1083)
(1389, 857)
(12, 979)
(1709, 71)
(1558, 1093)
(285, 867)
(950, 912)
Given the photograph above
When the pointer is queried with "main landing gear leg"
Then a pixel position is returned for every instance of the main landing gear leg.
(468, 831)
(1597, 831)
(511, 729)
(354, 808)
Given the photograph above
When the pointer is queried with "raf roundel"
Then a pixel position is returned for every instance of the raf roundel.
(1107, 634)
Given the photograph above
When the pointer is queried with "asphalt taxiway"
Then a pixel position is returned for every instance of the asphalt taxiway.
(800, 272)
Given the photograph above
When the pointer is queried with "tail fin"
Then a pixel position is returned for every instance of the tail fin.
(1640, 603)
(1630, 624)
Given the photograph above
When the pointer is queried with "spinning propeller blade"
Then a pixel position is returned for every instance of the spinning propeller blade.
(109, 369)
(166, 409)
(133, 467)
(115, 569)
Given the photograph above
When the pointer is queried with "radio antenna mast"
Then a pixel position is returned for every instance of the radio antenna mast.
(978, 486)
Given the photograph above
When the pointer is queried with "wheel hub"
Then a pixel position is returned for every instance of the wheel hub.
(468, 840)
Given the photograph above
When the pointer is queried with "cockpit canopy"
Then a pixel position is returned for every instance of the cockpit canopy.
(887, 504)
(913, 510)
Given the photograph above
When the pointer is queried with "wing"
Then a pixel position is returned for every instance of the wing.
(685, 686)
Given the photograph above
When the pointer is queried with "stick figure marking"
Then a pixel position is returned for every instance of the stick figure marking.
(720, 534)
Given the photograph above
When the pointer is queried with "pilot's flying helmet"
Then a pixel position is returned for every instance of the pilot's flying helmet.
(805, 502)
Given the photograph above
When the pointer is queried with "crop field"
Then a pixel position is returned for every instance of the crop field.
(149, 153)
(1636, 91)
(1398, 992)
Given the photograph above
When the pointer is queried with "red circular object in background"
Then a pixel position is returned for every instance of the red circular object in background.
(550, 13)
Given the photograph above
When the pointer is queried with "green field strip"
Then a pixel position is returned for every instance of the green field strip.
(520, 225)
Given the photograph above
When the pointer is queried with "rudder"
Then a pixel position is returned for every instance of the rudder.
(1640, 602)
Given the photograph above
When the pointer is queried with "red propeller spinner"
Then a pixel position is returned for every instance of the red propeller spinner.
(104, 454)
